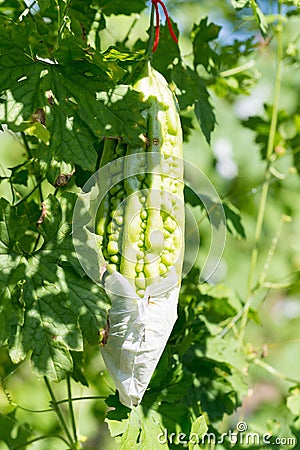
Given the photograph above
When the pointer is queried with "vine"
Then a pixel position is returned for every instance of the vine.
(267, 177)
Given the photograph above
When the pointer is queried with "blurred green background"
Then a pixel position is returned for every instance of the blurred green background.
(234, 167)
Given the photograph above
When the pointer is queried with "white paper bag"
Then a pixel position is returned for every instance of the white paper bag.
(138, 332)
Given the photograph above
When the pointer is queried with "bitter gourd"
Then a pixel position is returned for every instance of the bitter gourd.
(141, 219)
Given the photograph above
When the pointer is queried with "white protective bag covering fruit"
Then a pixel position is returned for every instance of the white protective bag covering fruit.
(139, 330)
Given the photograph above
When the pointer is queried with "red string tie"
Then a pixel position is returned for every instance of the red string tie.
(157, 25)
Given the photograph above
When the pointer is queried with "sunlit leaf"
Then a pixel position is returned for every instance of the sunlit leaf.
(50, 308)
(192, 90)
(202, 37)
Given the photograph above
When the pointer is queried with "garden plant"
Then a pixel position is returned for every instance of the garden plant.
(149, 224)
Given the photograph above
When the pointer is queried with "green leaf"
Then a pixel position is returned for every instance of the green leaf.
(44, 4)
(109, 7)
(191, 87)
(47, 307)
(204, 309)
(295, 10)
(77, 118)
(79, 110)
(19, 174)
(117, 416)
(202, 36)
(193, 91)
(39, 131)
(227, 351)
(12, 225)
(220, 303)
(88, 300)
(217, 365)
(187, 127)
(140, 430)
(78, 365)
(51, 218)
(219, 387)
(150, 430)
(259, 17)
(173, 385)
(232, 54)
(230, 212)
(27, 37)
(129, 438)
(163, 409)
(206, 117)
(293, 400)
(199, 428)
(296, 157)
(13, 433)
(233, 220)
(60, 309)
(115, 54)
(167, 51)
(58, 245)
(12, 8)
(11, 311)
(293, 143)
(74, 21)
(90, 303)
(261, 127)
(238, 4)
(50, 331)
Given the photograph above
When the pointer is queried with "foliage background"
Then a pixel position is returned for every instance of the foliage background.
(215, 368)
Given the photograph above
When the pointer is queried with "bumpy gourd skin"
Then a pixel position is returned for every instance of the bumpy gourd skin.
(141, 220)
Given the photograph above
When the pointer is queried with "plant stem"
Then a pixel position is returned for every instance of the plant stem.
(238, 69)
(12, 191)
(37, 175)
(269, 285)
(71, 410)
(30, 193)
(60, 415)
(27, 148)
(272, 249)
(149, 53)
(58, 402)
(130, 29)
(77, 399)
(265, 189)
(41, 438)
(274, 371)
(258, 230)
(61, 16)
